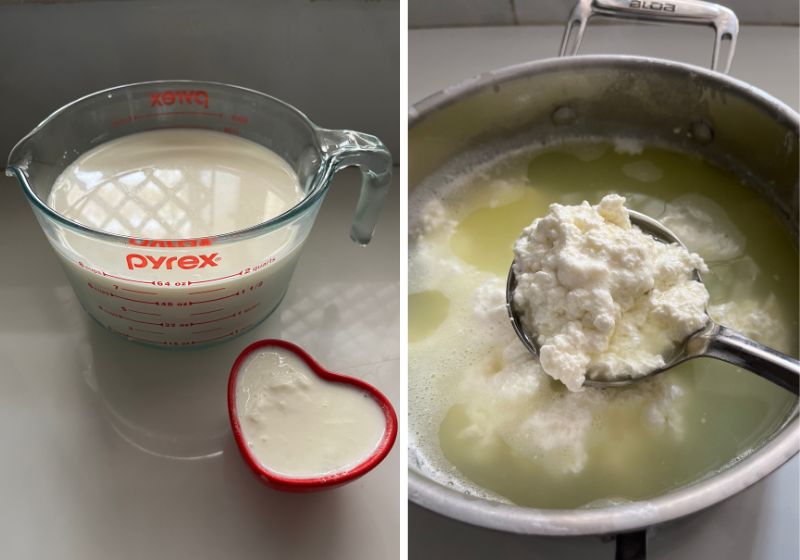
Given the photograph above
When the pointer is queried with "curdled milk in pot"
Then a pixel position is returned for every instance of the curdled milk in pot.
(483, 416)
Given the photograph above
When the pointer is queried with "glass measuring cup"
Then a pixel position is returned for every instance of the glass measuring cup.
(191, 292)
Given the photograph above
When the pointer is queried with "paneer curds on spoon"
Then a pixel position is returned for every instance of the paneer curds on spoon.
(605, 296)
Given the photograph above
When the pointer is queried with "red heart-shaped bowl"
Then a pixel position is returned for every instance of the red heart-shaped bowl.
(290, 484)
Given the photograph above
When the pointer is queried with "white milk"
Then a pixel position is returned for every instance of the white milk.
(178, 184)
(299, 425)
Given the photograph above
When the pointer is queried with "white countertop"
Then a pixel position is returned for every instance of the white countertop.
(111, 450)
(761, 522)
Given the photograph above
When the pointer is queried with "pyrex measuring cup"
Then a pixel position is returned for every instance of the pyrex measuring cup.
(191, 292)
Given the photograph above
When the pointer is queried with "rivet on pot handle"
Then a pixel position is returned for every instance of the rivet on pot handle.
(722, 19)
(349, 148)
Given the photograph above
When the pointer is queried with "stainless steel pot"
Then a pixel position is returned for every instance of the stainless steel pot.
(679, 105)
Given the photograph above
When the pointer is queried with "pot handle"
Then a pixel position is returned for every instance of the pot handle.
(347, 148)
(631, 546)
(722, 19)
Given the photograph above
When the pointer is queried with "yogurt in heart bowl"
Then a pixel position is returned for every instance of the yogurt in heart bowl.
(301, 427)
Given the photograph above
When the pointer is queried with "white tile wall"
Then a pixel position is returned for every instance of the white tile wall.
(336, 60)
(446, 13)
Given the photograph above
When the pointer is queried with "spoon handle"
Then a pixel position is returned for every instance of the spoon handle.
(733, 347)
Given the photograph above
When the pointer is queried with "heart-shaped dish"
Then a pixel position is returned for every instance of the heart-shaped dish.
(323, 482)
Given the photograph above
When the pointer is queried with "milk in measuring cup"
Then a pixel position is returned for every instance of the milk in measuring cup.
(179, 184)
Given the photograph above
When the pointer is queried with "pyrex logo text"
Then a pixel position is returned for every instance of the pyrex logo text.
(186, 262)
(182, 97)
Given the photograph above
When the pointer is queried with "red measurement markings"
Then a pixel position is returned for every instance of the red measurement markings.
(179, 342)
(128, 279)
(145, 331)
(113, 295)
(140, 312)
(215, 338)
(245, 271)
(192, 282)
(129, 336)
(197, 126)
(251, 307)
(205, 312)
(124, 318)
(100, 290)
(139, 338)
(216, 299)
(206, 291)
(107, 275)
(256, 286)
(143, 116)
(187, 283)
(90, 269)
(140, 292)
(214, 320)
(207, 330)
(232, 333)
(136, 300)
(217, 319)
(259, 266)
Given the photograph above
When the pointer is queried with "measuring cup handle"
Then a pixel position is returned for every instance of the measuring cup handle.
(722, 19)
(347, 148)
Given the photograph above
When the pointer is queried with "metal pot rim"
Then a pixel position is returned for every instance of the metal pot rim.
(635, 515)
(452, 94)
